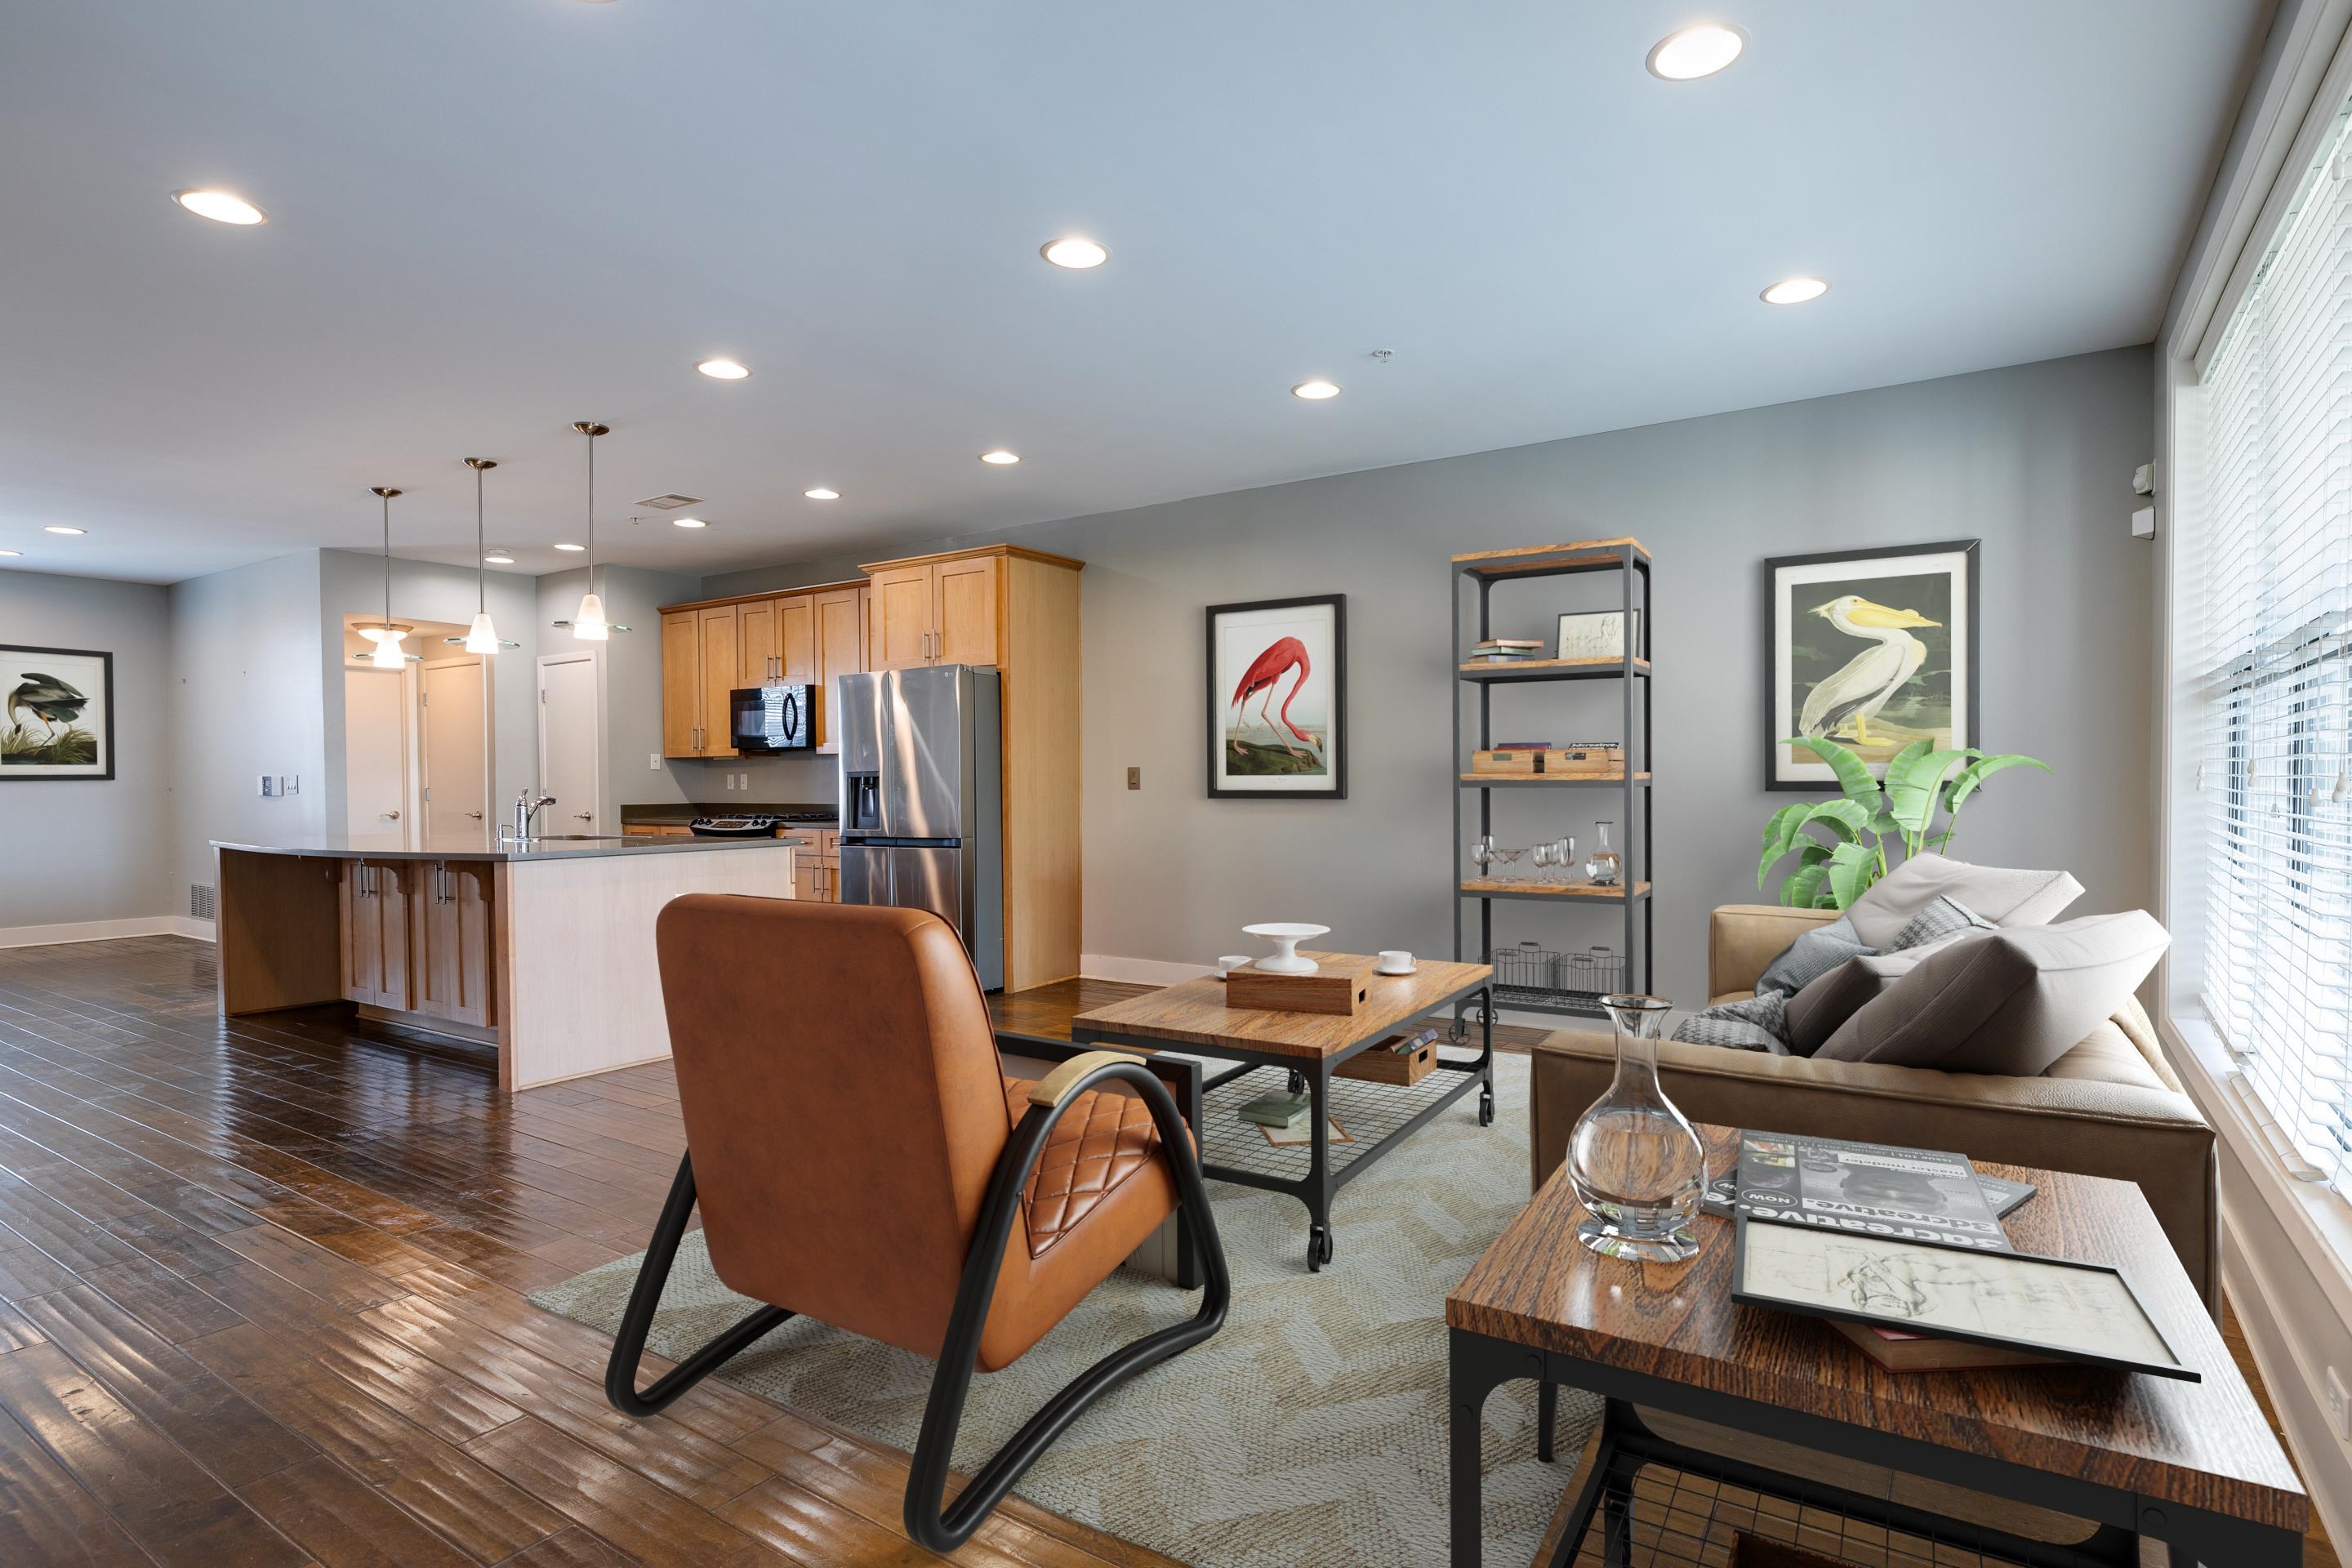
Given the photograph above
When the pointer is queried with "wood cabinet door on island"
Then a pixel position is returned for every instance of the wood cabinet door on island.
(375, 932)
(450, 931)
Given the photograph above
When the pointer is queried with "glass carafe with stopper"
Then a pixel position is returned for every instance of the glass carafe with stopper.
(1636, 1162)
(1603, 869)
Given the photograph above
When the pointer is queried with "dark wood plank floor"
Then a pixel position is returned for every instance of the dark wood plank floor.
(261, 1303)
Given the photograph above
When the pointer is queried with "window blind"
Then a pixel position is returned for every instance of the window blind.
(2263, 564)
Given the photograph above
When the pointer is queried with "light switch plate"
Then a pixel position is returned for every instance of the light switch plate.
(1135, 778)
(269, 787)
(653, 762)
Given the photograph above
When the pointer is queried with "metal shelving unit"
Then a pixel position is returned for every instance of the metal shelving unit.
(1483, 570)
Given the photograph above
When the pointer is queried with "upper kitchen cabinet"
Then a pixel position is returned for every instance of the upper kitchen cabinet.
(710, 650)
(837, 617)
(702, 659)
(936, 609)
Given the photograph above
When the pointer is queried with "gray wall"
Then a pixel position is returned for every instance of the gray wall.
(2034, 460)
(92, 849)
(247, 653)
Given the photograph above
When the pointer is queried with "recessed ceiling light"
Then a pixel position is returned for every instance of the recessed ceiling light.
(220, 206)
(688, 522)
(1794, 292)
(11, 553)
(821, 493)
(571, 547)
(1001, 458)
(61, 528)
(498, 558)
(723, 370)
(1695, 52)
(1315, 391)
(1075, 253)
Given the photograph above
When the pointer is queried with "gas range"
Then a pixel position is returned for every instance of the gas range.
(756, 825)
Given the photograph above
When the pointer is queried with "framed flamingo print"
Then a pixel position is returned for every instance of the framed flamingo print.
(1278, 700)
(1872, 648)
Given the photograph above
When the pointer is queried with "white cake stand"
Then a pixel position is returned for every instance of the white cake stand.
(1286, 937)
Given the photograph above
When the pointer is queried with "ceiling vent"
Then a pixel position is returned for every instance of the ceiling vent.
(669, 502)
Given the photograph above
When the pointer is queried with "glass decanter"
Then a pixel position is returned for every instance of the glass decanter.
(1635, 1161)
(1603, 869)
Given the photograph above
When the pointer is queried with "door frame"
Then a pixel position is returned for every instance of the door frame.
(596, 737)
(424, 769)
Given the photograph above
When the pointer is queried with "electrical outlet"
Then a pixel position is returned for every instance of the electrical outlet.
(1135, 778)
(269, 787)
(2340, 1409)
(653, 762)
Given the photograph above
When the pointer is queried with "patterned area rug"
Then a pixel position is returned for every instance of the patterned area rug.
(1310, 1433)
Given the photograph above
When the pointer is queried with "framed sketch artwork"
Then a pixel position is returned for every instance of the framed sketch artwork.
(1872, 648)
(57, 714)
(1279, 698)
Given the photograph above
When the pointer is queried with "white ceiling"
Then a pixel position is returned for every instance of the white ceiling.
(491, 217)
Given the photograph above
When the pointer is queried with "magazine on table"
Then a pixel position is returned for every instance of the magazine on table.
(1877, 1189)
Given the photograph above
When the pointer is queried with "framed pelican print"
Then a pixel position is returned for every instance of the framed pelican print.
(57, 714)
(1278, 700)
(1872, 648)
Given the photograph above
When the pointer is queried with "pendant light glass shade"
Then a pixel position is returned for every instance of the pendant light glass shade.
(481, 636)
(588, 623)
(388, 654)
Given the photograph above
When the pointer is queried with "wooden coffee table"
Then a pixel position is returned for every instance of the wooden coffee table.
(1192, 1018)
(2192, 1465)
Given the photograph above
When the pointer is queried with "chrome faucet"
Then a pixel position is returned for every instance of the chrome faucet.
(525, 809)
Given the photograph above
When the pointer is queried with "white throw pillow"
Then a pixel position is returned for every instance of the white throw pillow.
(2004, 897)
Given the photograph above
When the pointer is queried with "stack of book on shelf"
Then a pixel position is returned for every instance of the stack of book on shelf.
(1505, 650)
(1283, 1118)
(1877, 1189)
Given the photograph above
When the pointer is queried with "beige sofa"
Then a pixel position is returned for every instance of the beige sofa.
(2110, 1107)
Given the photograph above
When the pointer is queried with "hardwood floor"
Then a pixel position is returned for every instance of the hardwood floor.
(261, 1303)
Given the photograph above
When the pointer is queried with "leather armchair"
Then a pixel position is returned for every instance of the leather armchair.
(859, 1158)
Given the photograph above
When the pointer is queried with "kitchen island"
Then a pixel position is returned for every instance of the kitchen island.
(544, 948)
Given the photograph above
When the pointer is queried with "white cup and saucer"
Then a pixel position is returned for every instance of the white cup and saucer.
(1393, 962)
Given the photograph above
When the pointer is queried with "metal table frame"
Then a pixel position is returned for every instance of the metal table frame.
(1479, 1363)
(1322, 1184)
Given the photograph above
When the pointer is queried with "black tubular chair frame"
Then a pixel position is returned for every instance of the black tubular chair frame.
(931, 1526)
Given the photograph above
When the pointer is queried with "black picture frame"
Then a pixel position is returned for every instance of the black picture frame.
(9, 654)
(1780, 774)
(2176, 1368)
(1219, 705)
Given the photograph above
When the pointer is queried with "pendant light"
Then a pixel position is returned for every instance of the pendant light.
(589, 623)
(481, 636)
(388, 654)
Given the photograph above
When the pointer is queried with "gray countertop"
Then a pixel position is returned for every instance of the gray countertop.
(334, 846)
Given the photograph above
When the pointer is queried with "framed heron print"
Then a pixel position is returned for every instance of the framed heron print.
(57, 714)
(1278, 700)
(1872, 648)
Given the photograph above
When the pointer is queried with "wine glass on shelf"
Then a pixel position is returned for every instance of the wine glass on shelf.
(1482, 852)
(1563, 854)
(1542, 854)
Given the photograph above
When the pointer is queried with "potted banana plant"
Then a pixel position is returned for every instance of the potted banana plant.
(1843, 846)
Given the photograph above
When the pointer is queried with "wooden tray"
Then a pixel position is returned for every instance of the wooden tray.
(1337, 988)
(1382, 1065)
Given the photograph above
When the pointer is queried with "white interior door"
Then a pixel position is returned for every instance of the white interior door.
(571, 749)
(375, 757)
(456, 753)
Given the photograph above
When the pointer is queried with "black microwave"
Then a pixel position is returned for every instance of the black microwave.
(774, 718)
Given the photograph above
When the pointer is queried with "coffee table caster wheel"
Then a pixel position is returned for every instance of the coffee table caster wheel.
(1486, 1107)
(1297, 1084)
(1319, 1247)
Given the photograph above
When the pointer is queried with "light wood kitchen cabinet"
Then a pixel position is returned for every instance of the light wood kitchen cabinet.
(722, 654)
(756, 631)
(937, 611)
(805, 637)
(702, 664)
(449, 942)
(375, 898)
(837, 617)
(681, 644)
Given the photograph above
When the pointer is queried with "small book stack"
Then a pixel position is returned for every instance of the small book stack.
(1505, 650)
(1279, 1110)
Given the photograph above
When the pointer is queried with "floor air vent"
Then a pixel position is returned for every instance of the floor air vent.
(200, 900)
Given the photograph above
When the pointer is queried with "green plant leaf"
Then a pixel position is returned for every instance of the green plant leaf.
(1812, 854)
(1803, 885)
(1780, 837)
(1851, 818)
(1852, 772)
(1852, 868)
(1915, 785)
(1976, 773)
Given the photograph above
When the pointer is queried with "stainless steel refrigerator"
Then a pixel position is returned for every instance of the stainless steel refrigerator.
(921, 799)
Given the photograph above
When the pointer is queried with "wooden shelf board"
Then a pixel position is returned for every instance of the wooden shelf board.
(1522, 887)
(1506, 669)
(1546, 557)
(1616, 778)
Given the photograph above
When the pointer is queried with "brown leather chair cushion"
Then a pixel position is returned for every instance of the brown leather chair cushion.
(1101, 1141)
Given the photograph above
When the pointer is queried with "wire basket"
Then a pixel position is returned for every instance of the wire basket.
(1525, 967)
(1596, 972)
